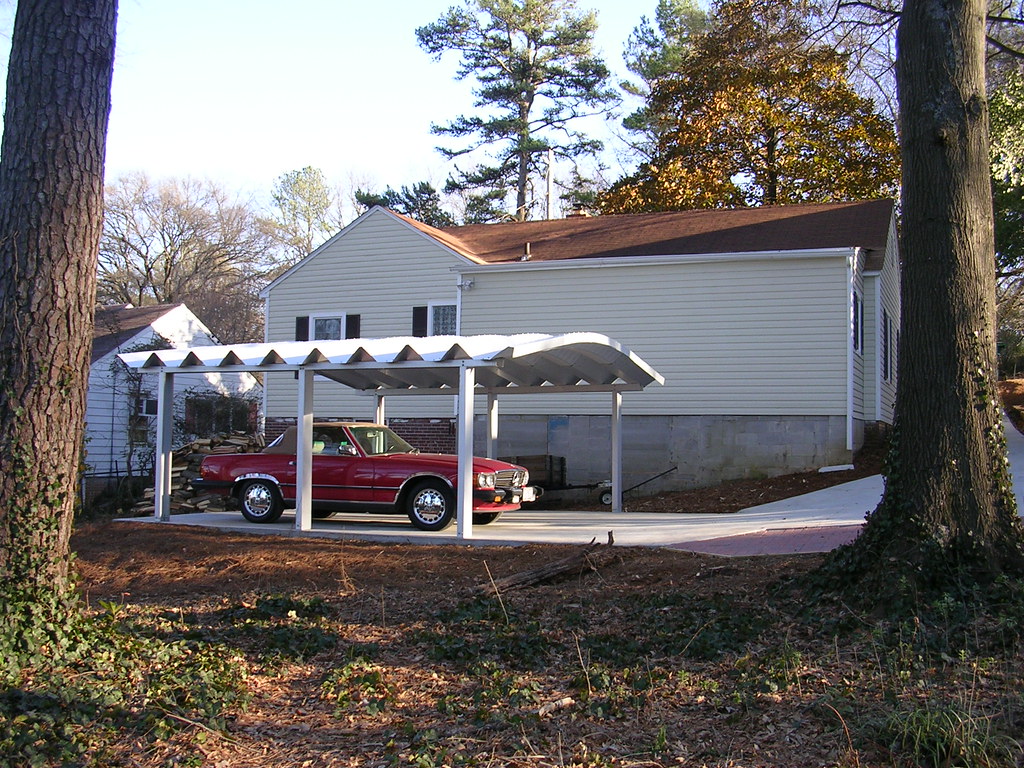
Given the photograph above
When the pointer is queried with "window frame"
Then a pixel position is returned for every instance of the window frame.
(432, 307)
(340, 317)
(857, 321)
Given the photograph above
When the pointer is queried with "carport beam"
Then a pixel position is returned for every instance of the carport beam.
(464, 438)
(617, 451)
(492, 425)
(304, 454)
(164, 432)
(379, 413)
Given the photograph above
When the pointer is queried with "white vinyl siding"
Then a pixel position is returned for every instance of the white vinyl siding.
(889, 291)
(732, 336)
(111, 397)
(379, 269)
(741, 338)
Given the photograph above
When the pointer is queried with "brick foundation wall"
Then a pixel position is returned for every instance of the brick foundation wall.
(429, 435)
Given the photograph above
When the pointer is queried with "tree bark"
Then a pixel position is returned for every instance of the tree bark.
(51, 213)
(948, 514)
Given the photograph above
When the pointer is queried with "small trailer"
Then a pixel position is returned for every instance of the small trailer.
(549, 473)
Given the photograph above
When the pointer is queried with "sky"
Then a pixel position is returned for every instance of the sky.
(242, 91)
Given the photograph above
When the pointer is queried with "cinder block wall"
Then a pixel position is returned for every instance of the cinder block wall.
(704, 450)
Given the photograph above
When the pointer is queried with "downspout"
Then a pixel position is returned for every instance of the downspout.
(851, 270)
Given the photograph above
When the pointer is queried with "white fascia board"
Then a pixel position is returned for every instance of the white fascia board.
(605, 262)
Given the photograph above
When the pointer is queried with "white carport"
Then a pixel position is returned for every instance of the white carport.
(494, 365)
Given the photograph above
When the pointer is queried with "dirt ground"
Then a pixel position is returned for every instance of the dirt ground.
(150, 562)
(449, 680)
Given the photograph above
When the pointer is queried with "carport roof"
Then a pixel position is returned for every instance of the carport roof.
(506, 363)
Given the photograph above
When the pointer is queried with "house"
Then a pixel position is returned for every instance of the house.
(121, 405)
(776, 329)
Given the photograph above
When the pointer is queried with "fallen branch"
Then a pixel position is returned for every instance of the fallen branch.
(591, 557)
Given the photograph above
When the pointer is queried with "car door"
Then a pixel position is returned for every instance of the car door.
(341, 473)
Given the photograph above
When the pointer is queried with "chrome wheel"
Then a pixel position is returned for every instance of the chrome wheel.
(260, 502)
(430, 506)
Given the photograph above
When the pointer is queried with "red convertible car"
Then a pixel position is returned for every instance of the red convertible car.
(365, 468)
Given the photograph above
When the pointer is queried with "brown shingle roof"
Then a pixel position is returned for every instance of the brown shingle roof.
(117, 324)
(769, 228)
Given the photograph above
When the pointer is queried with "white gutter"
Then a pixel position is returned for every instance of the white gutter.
(605, 262)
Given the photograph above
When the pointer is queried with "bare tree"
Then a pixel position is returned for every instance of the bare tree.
(51, 210)
(306, 212)
(181, 240)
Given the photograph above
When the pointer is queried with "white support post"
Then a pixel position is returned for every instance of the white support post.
(304, 454)
(616, 451)
(378, 416)
(164, 431)
(492, 425)
(464, 440)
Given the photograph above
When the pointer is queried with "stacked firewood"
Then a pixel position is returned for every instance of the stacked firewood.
(185, 468)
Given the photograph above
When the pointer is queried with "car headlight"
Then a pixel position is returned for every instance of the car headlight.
(526, 478)
(485, 480)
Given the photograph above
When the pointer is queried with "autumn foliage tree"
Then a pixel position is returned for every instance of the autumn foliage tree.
(754, 114)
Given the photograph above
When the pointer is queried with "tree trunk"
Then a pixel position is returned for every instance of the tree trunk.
(948, 515)
(51, 212)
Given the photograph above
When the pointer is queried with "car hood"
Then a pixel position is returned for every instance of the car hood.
(434, 460)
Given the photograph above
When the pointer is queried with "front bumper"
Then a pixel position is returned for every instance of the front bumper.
(507, 496)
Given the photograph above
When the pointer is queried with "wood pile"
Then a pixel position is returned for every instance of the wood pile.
(185, 468)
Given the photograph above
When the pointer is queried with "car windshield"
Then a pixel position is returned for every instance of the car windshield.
(375, 440)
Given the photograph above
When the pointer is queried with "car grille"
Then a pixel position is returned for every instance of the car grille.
(509, 478)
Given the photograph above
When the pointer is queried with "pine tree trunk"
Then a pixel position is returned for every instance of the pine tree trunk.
(948, 513)
(51, 212)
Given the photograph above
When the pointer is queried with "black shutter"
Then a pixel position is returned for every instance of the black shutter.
(352, 326)
(302, 328)
(419, 321)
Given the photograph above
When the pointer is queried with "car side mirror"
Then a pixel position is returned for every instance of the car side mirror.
(347, 449)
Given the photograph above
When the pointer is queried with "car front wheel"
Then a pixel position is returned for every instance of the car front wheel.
(261, 503)
(431, 506)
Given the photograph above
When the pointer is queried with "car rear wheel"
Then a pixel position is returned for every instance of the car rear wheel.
(485, 518)
(431, 506)
(261, 503)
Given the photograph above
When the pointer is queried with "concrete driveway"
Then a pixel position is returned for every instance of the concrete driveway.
(813, 522)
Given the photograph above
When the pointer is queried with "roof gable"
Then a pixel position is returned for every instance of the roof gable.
(434, 237)
(116, 325)
(673, 233)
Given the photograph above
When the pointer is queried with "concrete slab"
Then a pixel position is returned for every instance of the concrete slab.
(572, 527)
(813, 522)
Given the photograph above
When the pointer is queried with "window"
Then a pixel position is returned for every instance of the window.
(323, 328)
(145, 406)
(207, 415)
(327, 327)
(140, 419)
(886, 346)
(435, 320)
(443, 320)
(858, 322)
